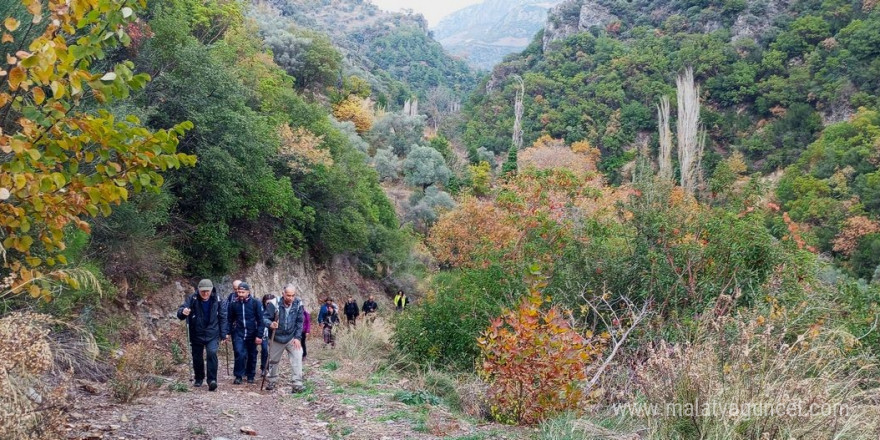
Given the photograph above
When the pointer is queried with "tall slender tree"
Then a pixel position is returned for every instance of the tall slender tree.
(691, 138)
(518, 112)
(664, 159)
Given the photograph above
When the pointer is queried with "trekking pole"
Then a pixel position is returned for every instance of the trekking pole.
(271, 340)
(226, 347)
(188, 301)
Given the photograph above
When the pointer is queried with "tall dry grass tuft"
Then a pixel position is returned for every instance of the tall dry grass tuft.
(763, 377)
(362, 350)
(29, 407)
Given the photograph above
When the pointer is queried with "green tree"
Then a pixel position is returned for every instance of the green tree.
(425, 166)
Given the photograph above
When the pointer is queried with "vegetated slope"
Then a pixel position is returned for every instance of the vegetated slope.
(778, 79)
(486, 32)
(394, 51)
(772, 75)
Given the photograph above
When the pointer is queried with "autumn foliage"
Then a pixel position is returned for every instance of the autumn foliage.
(60, 165)
(357, 111)
(535, 363)
(547, 153)
(302, 149)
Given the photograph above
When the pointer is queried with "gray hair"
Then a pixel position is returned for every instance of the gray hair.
(291, 287)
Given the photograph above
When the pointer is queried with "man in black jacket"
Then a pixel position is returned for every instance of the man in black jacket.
(246, 327)
(285, 317)
(205, 314)
(351, 312)
(369, 309)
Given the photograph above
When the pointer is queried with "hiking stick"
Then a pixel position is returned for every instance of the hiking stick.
(188, 301)
(226, 347)
(271, 340)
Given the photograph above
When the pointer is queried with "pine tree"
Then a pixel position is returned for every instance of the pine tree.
(510, 166)
(473, 155)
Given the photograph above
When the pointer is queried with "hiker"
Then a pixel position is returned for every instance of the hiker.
(328, 302)
(285, 317)
(205, 315)
(307, 327)
(400, 300)
(331, 318)
(246, 326)
(351, 312)
(369, 309)
(264, 347)
(232, 296)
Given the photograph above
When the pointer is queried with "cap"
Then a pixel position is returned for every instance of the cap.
(244, 286)
(206, 284)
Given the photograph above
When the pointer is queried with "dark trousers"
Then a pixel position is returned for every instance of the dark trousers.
(264, 354)
(198, 356)
(302, 340)
(245, 356)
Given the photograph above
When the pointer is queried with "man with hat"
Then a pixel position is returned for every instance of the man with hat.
(205, 316)
(246, 323)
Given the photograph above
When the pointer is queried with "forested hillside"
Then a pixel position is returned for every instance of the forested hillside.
(782, 84)
(393, 51)
(660, 220)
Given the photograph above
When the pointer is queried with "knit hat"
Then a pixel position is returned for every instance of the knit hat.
(206, 284)
(245, 286)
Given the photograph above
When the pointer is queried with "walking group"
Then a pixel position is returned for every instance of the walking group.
(278, 326)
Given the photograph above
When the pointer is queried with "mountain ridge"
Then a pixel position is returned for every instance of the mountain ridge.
(485, 32)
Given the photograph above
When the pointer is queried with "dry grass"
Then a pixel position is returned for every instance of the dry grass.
(143, 363)
(361, 351)
(753, 360)
(29, 407)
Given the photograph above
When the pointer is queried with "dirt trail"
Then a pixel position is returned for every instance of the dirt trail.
(326, 410)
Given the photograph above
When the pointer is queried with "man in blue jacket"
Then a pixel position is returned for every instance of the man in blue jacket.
(246, 323)
(205, 316)
(284, 318)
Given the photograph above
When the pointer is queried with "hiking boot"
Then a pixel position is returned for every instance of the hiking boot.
(237, 381)
(212, 385)
(298, 389)
(270, 386)
(250, 381)
(197, 383)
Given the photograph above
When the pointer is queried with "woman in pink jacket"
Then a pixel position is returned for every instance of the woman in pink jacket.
(306, 328)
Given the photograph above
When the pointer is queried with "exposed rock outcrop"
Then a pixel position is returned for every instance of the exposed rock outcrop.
(574, 16)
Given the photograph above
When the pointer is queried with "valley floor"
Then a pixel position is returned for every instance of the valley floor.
(330, 408)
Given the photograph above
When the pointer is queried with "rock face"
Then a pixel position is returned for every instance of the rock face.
(757, 18)
(574, 16)
(338, 279)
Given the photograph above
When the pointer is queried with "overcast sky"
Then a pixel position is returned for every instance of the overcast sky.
(433, 10)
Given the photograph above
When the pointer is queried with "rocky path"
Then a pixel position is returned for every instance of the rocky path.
(328, 409)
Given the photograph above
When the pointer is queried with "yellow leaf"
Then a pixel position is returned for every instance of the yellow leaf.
(19, 146)
(16, 77)
(57, 89)
(11, 24)
(34, 291)
(39, 95)
(33, 261)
